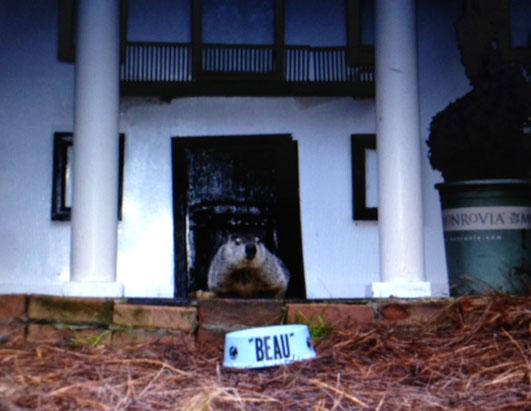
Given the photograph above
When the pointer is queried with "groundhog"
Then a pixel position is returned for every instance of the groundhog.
(244, 267)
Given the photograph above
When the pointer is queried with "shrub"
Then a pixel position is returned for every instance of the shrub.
(482, 135)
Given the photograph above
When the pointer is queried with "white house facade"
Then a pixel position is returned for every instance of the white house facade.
(122, 239)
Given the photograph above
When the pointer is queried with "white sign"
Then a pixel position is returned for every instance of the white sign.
(487, 218)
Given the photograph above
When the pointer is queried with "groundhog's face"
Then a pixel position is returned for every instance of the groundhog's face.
(244, 250)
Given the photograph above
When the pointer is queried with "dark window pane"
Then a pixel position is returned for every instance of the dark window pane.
(316, 22)
(238, 21)
(521, 23)
(159, 20)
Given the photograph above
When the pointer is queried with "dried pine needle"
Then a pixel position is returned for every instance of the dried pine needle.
(475, 355)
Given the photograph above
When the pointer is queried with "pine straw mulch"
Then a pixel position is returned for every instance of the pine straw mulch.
(474, 356)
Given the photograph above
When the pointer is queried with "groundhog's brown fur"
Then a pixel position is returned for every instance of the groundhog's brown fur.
(244, 267)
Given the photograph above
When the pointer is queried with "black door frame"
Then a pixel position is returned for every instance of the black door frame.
(289, 200)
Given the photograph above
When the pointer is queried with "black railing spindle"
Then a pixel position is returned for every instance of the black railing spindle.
(172, 63)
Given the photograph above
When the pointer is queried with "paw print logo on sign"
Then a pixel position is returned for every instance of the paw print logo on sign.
(233, 352)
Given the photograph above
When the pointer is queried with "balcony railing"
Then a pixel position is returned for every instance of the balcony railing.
(298, 60)
(157, 62)
(159, 68)
(248, 59)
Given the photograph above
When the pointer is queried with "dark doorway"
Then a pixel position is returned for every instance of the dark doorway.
(222, 184)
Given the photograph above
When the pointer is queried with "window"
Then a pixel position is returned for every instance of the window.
(238, 21)
(318, 23)
(62, 176)
(240, 39)
(363, 174)
(160, 21)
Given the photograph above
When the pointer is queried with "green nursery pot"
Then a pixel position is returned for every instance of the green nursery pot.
(487, 234)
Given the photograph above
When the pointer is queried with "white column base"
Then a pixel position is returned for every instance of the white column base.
(399, 289)
(93, 289)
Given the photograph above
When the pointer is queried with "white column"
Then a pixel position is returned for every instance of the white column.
(95, 164)
(399, 152)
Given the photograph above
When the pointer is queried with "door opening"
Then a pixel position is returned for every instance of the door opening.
(222, 184)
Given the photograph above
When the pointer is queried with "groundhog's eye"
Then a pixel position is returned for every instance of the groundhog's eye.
(237, 241)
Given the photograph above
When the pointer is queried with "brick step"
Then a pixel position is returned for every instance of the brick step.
(92, 321)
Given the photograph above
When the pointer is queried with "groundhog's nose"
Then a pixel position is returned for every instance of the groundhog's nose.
(250, 251)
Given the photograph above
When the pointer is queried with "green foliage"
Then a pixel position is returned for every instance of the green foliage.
(481, 135)
(319, 328)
